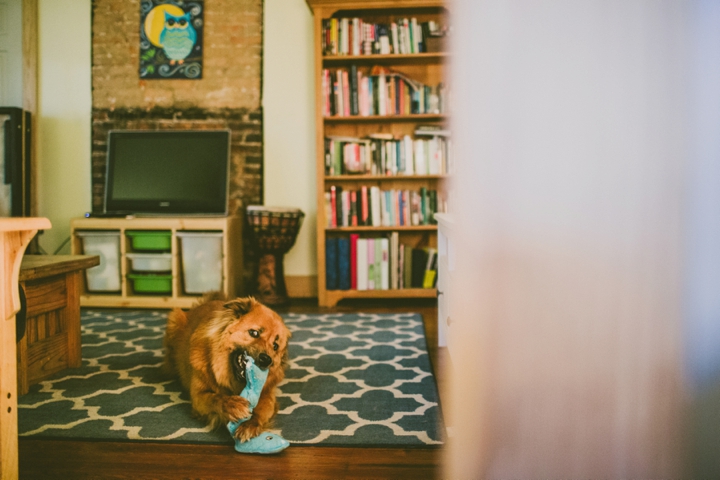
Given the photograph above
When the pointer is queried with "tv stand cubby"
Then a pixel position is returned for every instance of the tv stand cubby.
(230, 229)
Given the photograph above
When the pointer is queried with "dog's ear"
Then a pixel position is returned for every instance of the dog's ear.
(240, 306)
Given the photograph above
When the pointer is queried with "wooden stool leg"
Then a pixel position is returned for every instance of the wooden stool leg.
(72, 319)
(22, 379)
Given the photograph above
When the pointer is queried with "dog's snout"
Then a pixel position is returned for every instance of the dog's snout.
(264, 360)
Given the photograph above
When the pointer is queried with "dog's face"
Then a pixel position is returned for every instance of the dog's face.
(255, 331)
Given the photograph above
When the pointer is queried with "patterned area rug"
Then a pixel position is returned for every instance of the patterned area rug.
(354, 379)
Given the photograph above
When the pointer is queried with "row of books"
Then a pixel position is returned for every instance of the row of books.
(382, 154)
(353, 36)
(370, 206)
(377, 263)
(381, 91)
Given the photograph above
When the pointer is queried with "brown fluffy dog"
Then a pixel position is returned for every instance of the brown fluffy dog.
(205, 348)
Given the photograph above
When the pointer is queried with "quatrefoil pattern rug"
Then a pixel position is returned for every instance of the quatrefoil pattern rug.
(354, 380)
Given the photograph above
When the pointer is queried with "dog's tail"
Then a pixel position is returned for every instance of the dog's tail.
(177, 322)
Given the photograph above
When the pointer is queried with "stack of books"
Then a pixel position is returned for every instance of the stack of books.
(377, 263)
(370, 206)
(354, 36)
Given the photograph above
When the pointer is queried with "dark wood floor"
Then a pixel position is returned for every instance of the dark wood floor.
(63, 459)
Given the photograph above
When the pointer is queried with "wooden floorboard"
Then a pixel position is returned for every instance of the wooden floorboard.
(113, 460)
(68, 459)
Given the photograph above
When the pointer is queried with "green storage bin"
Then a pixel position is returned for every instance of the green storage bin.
(151, 283)
(150, 239)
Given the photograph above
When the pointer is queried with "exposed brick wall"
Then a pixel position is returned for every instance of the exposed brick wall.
(228, 96)
(232, 54)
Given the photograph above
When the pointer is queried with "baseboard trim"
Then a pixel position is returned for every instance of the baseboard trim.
(301, 286)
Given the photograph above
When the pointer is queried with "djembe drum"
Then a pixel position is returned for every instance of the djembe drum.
(274, 231)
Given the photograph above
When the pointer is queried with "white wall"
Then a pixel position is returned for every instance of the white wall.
(64, 120)
(289, 122)
(11, 70)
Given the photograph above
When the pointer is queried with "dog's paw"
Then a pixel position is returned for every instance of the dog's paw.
(248, 430)
(235, 407)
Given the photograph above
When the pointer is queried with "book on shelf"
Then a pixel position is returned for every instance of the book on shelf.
(375, 204)
(384, 264)
(419, 261)
(370, 260)
(345, 208)
(343, 269)
(382, 208)
(394, 260)
(418, 45)
(407, 267)
(381, 154)
(425, 214)
(421, 166)
(430, 273)
(433, 206)
(338, 107)
(346, 96)
(378, 263)
(353, 260)
(368, 34)
(331, 263)
(364, 95)
(332, 219)
(401, 266)
(362, 264)
(394, 37)
(328, 208)
(364, 211)
(354, 208)
(325, 89)
(355, 36)
(354, 109)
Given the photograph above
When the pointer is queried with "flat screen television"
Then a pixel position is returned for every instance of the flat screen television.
(167, 172)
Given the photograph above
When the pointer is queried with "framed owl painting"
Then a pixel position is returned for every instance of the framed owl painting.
(171, 39)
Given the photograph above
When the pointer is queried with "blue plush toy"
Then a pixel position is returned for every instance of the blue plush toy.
(266, 442)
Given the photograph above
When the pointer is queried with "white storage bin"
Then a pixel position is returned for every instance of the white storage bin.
(202, 265)
(104, 277)
(150, 262)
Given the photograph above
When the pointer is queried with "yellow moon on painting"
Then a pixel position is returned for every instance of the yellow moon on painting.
(155, 21)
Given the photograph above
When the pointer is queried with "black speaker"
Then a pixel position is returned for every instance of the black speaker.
(15, 130)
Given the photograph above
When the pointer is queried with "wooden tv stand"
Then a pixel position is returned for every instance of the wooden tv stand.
(230, 227)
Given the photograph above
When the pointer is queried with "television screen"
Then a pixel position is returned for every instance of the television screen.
(168, 172)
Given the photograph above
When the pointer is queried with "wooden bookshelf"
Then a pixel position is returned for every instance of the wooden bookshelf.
(426, 68)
